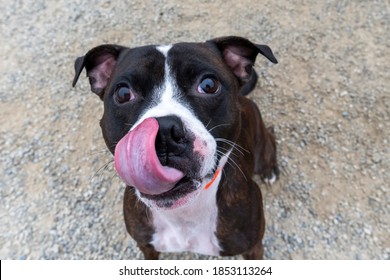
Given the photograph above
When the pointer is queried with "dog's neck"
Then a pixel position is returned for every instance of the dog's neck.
(191, 227)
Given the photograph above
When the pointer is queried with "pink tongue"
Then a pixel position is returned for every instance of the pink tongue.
(137, 163)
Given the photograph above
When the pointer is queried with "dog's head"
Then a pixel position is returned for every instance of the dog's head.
(171, 112)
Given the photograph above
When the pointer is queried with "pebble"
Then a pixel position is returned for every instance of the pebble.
(376, 157)
(343, 93)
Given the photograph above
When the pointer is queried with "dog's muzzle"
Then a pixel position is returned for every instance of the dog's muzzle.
(143, 155)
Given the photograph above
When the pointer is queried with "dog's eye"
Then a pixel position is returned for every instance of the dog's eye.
(123, 94)
(209, 86)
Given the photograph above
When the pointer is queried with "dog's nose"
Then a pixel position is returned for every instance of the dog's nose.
(171, 138)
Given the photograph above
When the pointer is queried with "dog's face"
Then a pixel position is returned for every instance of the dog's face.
(176, 95)
(170, 112)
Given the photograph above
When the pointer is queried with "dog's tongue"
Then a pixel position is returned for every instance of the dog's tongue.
(137, 163)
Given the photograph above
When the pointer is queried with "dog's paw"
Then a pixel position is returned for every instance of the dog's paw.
(272, 177)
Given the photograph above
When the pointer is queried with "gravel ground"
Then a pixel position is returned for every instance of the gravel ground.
(328, 99)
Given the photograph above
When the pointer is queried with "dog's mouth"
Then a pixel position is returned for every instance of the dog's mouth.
(182, 193)
(138, 164)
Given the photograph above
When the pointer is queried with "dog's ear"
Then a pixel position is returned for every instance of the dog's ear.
(100, 63)
(240, 55)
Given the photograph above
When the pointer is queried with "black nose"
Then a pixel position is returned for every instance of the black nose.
(171, 139)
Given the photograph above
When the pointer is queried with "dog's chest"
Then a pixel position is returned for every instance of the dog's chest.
(189, 228)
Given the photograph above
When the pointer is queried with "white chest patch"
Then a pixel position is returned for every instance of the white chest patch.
(191, 227)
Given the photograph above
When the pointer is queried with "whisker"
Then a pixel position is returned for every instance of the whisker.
(208, 123)
(232, 164)
(231, 142)
(224, 124)
(231, 151)
(103, 168)
(98, 153)
(233, 145)
(236, 145)
(230, 160)
(223, 172)
(114, 144)
(114, 175)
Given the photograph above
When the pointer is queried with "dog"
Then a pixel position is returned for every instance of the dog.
(186, 141)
